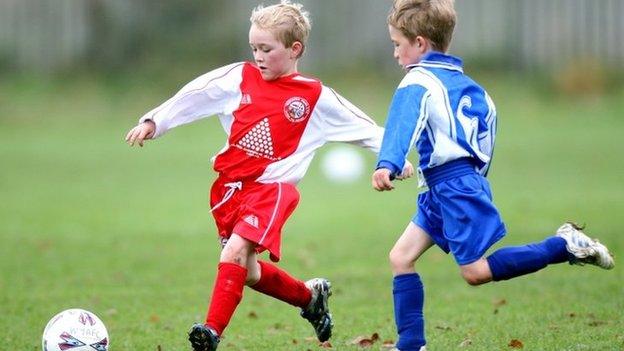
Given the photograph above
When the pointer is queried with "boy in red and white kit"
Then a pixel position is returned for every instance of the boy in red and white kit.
(275, 120)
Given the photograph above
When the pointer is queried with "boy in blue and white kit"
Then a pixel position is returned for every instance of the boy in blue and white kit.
(451, 121)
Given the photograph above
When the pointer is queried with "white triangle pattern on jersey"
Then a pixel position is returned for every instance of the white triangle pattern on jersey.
(258, 140)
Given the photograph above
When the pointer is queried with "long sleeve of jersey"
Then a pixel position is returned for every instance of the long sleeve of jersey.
(344, 122)
(405, 122)
(212, 93)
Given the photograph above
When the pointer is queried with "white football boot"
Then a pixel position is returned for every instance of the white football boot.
(585, 249)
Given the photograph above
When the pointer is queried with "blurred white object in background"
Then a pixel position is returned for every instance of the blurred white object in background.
(342, 164)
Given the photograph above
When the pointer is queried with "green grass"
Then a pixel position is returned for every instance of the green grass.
(87, 222)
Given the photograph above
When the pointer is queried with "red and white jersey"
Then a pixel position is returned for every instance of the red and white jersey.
(273, 127)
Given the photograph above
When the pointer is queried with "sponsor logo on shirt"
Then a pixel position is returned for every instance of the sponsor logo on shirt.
(296, 109)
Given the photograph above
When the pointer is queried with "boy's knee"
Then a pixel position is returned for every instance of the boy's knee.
(400, 262)
(232, 256)
(253, 273)
(236, 251)
(476, 273)
(253, 277)
(473, 279)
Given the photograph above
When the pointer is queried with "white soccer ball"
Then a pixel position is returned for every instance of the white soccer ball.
(342, 164)
(75, 330)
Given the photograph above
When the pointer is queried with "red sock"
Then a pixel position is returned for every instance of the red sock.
(227, 293)
(279, 284)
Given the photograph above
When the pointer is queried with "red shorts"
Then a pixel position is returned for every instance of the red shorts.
(255, 211)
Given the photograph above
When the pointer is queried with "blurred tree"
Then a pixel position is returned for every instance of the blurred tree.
(144, 32)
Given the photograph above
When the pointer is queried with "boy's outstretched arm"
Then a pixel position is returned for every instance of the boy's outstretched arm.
(143, 131)
(212, 93)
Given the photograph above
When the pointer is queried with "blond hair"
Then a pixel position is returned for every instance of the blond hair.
(289, 22)
(432, 19)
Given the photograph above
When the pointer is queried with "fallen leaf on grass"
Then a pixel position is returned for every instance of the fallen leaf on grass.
(252, 315)
(363, 341)
(44, 245)
(465, 343)
(499, 302)
(388, 344)
(516, 344)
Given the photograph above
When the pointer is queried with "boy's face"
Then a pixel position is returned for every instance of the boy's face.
(406, 52)
(271, 56)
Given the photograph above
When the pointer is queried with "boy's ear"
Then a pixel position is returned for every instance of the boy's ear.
(420, 41)
(423, 44)
(297, 49)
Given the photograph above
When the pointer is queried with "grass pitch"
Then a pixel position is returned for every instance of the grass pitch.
(87, 222)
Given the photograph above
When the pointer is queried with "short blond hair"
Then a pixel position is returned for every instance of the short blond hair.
(432, 19)
(289, 22)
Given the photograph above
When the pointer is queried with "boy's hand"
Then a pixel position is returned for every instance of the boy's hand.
(408, 171)
(143, 131)
(381, 180)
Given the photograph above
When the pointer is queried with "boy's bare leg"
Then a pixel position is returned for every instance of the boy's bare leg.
(408, 248)
(408, 289)
(476, 273)
(253, 269)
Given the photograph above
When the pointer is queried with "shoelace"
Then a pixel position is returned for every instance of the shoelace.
(228, 194)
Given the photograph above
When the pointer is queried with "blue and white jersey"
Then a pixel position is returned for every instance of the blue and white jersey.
(441, 112)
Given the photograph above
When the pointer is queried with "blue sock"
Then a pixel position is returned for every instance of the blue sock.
(510, 262)
(409, 297)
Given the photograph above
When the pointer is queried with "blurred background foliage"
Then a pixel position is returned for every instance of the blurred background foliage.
(577, 44)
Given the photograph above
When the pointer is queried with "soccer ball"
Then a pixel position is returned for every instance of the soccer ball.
(342, 164)
(75, 330)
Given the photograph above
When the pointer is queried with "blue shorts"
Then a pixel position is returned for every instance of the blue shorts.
(460, 217)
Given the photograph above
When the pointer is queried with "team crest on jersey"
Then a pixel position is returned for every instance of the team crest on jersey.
(296, 109)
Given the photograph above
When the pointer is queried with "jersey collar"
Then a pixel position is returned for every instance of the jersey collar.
(435, 59)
